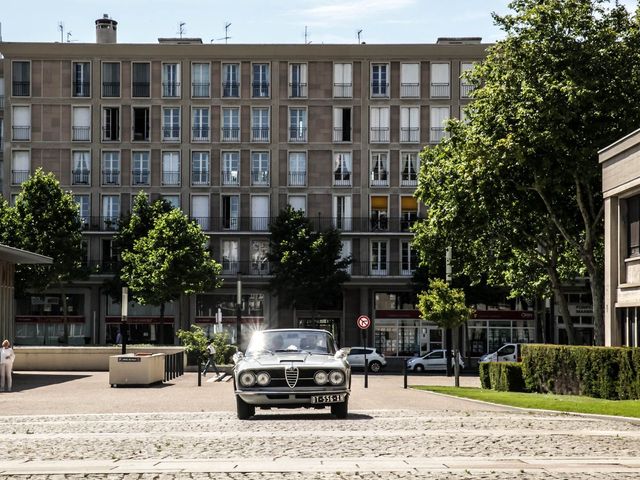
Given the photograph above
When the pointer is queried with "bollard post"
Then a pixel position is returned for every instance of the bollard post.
(404, 372)
(366, 372)
(199, 373)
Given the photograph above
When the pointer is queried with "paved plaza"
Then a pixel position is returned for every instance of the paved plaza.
(73, 425)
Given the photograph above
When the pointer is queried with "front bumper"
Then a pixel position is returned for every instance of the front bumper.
(291, 398)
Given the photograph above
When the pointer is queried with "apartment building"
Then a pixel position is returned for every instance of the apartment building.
(231, 134)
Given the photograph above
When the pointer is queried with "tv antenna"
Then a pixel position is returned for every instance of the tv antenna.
(226, 34)
(68, 37)
(306, 36)
(359, 32)
(61, 28)
(181, 28)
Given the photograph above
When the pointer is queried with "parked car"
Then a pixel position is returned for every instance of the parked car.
(291, 368)
(509, 352)
(434, 360)
(376, 360)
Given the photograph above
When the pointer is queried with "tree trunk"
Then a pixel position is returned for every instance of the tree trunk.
(456, 353)
(161, 337)
(597, 295)
(556, 286)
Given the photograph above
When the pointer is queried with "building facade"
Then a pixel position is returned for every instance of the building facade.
(231, 134)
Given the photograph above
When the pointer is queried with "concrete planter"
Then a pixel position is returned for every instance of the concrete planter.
(136, 369)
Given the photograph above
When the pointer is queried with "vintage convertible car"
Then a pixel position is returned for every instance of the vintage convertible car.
(292, 368)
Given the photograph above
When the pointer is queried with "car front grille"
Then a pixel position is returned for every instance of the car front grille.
(279, 380)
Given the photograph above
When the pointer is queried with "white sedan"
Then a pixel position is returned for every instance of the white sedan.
(434, 360)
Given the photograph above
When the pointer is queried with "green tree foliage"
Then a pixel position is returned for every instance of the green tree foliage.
(195, 343)
(306, 264)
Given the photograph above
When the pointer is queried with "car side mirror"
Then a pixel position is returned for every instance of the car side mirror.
(237, 357)
(342, 353)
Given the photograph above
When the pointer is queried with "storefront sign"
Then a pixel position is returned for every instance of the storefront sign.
(134, 320)
(128, 359)
(503, 315)
(49, 319)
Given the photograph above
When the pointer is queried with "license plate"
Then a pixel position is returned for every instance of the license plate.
(333, 398)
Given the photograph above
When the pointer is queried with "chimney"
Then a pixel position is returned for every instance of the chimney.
(106, 30)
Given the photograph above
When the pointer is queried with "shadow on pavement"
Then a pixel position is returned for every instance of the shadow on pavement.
(303, 416)
(29, 381)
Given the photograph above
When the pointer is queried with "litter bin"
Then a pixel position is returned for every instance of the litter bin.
(136, 369)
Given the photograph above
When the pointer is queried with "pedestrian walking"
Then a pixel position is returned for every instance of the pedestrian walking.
(6, 365)
(211, 360)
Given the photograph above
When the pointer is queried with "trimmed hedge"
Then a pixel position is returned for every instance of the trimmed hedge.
(485, 381)
(502, 376)
(612, 373)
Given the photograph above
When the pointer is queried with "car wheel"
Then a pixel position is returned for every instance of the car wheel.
(419, 368)
(340, 410)
(245, 411)
(375, 367)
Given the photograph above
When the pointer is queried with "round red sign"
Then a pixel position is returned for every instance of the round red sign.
(363, 322)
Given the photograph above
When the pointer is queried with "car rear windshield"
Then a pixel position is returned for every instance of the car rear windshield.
(275, 341)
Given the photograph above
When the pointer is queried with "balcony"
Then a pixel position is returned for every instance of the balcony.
(81, 89)
(200, 134)
(21, 89)
(140, 177)
(379, 178)
(141, 89)
(260, 134)
(410, 90)
(342, 90)
(341, 134)
(200, 177)
(81, 134)
(110, 89)
(231, 89)
(80, 177)
(110, 135)
(342, 179)
(379, 89)
(171, 178)
(230, 177)
(200, 90)
(231, 134)
(171, 133)
(170, 90)
(439, 90)
(297, 179)
(375, 268)
(111, 177)
(103, 267)
(18, 177)
(409, 135)
(409, 180)
(298, 135)
(379, 134)
(256, 267)
(465, 90)
(297, 90)
(260, 89)
(260, 178)
(100, 224)
(437, 134)
(203, 222)
(22, 132)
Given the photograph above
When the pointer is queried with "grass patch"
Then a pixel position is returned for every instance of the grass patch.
(559, 403)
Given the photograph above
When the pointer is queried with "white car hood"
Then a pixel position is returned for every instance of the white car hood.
(266, 360)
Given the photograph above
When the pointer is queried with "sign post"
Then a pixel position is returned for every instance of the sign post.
(364, 323)
(123, 318)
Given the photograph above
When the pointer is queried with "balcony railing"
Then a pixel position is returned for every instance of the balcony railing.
(437, 134)
(298, 135)
(199, 90)
(465, 90)
(260, 89)
(379, 134)
(341, 134)
(141, 89)
(100, 223)
(297, 179)
(103, 267)
(297, 90)
(231, 89)
(18, 177)
(342, 179)
(1, 102)
(110, 89)
(439, 90)
(409, 134)
(260, 134)
(231, 134)
(200, 134)
(81, 89)
(140, 177)
(81, 134)
(80, 177)
(230, 177)
(258, 267)
(21, 132)
(21, 89)
(380, 178)
(111, 177)
(379, 89)
(109, 135)
(409, 179)
(171, 178)
(342, 90)
(170, 89)
(409, 90)
(171, 133)
(260, 178)
(381, 269)
(200, 177)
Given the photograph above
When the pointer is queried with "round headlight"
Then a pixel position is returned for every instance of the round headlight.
(320, 377)
(263, 379)
(336, 377)
(247, 379)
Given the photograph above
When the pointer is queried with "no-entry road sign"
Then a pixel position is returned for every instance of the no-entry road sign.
(363, 322)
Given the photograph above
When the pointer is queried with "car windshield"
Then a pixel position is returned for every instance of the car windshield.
(273, 341)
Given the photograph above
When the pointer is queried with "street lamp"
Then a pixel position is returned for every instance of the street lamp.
(123, 321)
(238, 308)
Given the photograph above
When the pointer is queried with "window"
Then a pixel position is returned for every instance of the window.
(21, 79)
(21, 128)
(111, 168)
(231, 80)
(200, 80)
(259, 212)
(466, 87)
(171, 80)
(230, 212)
(260, 125)
(297, 169)
(171, 124)
(379, 257)
(200, 124)
(440, 80)
(342, 80)
(81, 79)
(410, 80)
(83, 207)
(110, 124)
(342, 212)
(379, 169)
(110, 211)
(259, 262)
(342, 124)
(199, 168)
(260, 168)
(379, 80)
(81, 172)
(408, 212)
(173, 200)
(20, 166)
(409, 169)
(140, 168)
(110, 79)
(633, 226)
(231, 125)
(141, 124)
(379, 131)
(342, 169)
(230, 256)
(345, 253)
(140, 80)
(170, 168)
(439, 118)
(379, 212)
(297, 125)
(297, 80)
(298, 202)
(230, 168)
(410, 124)
(260, 80)
(200, 210)
(81, 124)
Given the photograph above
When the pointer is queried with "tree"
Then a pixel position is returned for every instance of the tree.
(306, 265)
(170, 261)
(47, 221)
(445, 307)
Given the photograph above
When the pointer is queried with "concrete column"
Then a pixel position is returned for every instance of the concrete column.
(612, 330)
